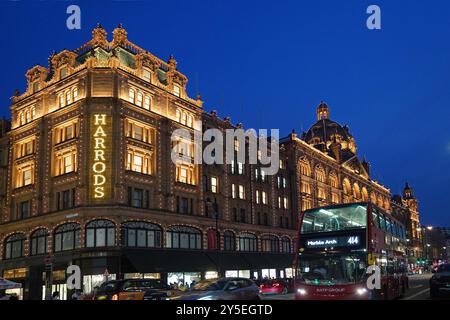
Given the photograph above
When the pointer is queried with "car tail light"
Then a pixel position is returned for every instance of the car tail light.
(276, 285)
(115, 297)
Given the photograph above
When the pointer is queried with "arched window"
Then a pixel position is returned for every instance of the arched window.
(14, 246)
(333, 180)
(39, 240)
(183, 238)
(356, 191)
(320, 174)
(67, 237)
(139, 99)
(364, 194)
(131, 95)
(305, 169)
(63, 72)
(100, 233)
(270, 244)
(68, 97)
(61, 100)
(33, 112)
(212, 239)
(21, 118)
(141, 234)
(178, 115)
(285, 245)
(247, 242)
(229, 241)
(147, 102)
(75, 93)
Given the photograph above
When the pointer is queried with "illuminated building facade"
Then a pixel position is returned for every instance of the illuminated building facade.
(87, 177)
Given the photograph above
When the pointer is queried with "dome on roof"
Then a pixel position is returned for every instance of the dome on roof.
(326, 132)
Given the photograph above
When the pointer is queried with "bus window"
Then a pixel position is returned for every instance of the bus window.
(375, 219)
(383, 222)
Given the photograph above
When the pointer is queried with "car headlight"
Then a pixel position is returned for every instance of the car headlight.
(361, 291)
(302, 292)
(206, 298)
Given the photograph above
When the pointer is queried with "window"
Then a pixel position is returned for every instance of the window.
(285, 202)
(247, 242)
(241, 192)
(65, 163)
(141, 234)
(39, 240)
(229, 241)
(24, 209)
(75, 94)
(285, 245)
(68, 97)
(233, 191)
(178, 115)
(61, 100)
(243, 215)
(257, 197)
(139, 99)
(147, 75)
(67, 237)
(137, 161)
(100, 233)
(281, 164)
(131, 95)
(27, 177)
(63, 72)
(14, 246)
(269, 244)
(236, 145)
(184, 118)
(138, 195)
(147, 102)
(183, 238)
(240, 166)
(185, 174)
(176, 90)
(35, 86)
(214, 185)
(68, 165)
(65, 132)
(264, 197)
(190, 122)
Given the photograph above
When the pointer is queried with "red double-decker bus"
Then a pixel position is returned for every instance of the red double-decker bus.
(335, 246)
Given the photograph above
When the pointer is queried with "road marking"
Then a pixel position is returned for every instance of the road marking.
(416, 287)
(417, 294)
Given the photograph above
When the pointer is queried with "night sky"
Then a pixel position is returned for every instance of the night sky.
(268, 64)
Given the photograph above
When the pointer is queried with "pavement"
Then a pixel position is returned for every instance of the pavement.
(418, 289)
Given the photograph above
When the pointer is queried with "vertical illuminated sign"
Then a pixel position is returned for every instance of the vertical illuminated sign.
(100, 157)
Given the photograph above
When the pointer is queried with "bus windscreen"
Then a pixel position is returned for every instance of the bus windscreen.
(335, 219)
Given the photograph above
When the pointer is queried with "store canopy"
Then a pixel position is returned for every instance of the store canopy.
(6, 284)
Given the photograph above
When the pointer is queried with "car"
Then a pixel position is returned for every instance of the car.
(273, 286)
(133, 289)
(222, 289)
(440, 281)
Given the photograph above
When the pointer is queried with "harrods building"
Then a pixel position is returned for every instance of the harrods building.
(87, 178)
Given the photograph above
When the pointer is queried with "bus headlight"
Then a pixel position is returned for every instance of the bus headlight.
(301, 292)
(361, 291)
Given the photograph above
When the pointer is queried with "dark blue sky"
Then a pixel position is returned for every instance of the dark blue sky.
(268, 64)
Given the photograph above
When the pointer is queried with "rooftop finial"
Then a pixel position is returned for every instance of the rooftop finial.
(322, 111)
(99, 36)
(120, 35)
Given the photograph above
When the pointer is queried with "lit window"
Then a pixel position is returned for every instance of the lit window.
(183, 175)
(178, 115)
(75, 94)
(147, 75)
(241, 192)
(213, 184)
(285, 202)
(33, 113)
(139, 99)
(28, 148)
(131, 95)
(137, 163)
(259, 155)
(61, 100)
(27, 177)
(69, 132)
(281, 164)
(233, 191)
(190, 121)
(138, 133)
(284, 183)
(22, 118)
(68, 164)
(147, 102)
(257, 196)
(279, 202)
(236, 145)
(240, 168)
(264, 197)
(176, 90)
(68, 97)
(184, 118)
(263, 175)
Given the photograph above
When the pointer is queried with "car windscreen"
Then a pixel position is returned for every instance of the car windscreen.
(144, 284)
(209, 285)
(108, 287)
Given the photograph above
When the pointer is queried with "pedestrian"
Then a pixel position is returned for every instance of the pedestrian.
(75, 295)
